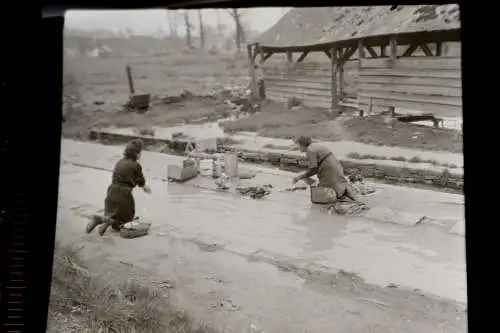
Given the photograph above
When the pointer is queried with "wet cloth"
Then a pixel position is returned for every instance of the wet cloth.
(347, 207)
(134, 229)
(342, 205)
(255, 192)
(330, 171)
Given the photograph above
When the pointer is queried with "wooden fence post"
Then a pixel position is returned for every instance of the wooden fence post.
(130, 80)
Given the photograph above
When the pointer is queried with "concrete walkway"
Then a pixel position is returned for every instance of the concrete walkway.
(284, 227)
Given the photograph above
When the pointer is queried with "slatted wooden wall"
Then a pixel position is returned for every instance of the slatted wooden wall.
(428, 84)
(309, 81)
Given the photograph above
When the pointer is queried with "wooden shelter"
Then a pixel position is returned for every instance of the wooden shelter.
(389, 74)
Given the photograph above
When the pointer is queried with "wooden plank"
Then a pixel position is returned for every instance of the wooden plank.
(297, 67)
(322, 103)
(426, 49)
(300, 65)
(396, 96)
(415, 63)
(296, 73)
(412, 80)
(438, 110)
(303, 56)
(299, 91)
(306, 79)
(298, 95)
(367, 88)
(321, 86)
(450, 74)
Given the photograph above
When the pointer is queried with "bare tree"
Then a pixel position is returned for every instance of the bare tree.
(240, 33)
(202, 29)
(172, 24)
(189, 27)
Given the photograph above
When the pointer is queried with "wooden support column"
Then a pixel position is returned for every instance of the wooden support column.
(257, 46)
(439, 49)
(393, 45)
(361, 56)
(382, 51)
(340, 70)
(289, 56)
(251, 65)
(361, 50)
(394, 55)
(333, 60)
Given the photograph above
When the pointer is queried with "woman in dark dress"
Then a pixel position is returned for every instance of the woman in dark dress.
(119, 205)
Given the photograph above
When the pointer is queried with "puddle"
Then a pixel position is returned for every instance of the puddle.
(426, 257)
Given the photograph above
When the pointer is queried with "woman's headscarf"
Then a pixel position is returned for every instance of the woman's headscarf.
(133, 148)
(303, 141)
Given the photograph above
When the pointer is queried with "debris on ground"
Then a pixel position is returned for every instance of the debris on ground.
(255, 192)
(222, 182)
(149, 131)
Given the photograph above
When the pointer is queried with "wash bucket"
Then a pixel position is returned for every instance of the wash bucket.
(231, 165)
(322, 195)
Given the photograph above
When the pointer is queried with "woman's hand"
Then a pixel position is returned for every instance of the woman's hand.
(296, 179)
(146, 189)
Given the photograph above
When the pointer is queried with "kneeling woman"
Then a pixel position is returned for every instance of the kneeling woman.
(119, 205)
(326, 166)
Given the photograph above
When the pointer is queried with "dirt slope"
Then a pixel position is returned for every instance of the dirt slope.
(301, 26)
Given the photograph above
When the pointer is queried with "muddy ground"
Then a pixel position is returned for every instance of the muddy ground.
(96, 90)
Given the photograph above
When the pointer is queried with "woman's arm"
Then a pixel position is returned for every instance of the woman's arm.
(312, 162)
(309, 173)
(139, 176)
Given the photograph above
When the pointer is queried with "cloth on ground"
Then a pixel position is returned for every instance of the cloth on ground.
(255, 192)
(347, 207)
(134, 229)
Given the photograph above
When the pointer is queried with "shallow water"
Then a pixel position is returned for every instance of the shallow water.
(285, 225)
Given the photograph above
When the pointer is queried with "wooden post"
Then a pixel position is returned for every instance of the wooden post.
(341, 78)
(334, 78)
(361, 56)
(251, 65)
(361, 50)
(130, 80)
(394, 48)
(382, 51)
(439, 49)
(289, 56)
(257, 46)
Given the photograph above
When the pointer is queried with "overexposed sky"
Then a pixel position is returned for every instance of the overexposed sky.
(152, 20)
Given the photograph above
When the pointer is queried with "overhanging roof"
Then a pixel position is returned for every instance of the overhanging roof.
(407, 38)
